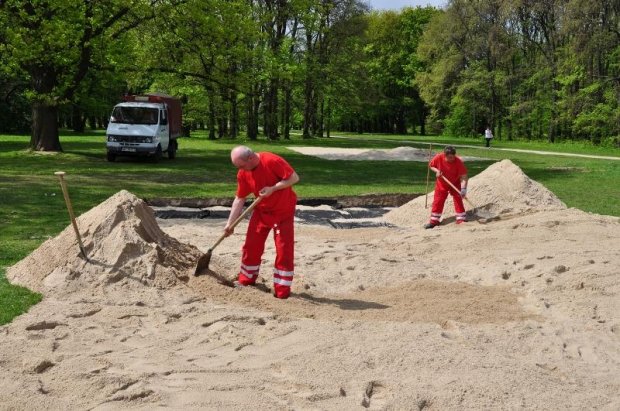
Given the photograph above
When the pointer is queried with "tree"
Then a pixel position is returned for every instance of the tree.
(54, 44)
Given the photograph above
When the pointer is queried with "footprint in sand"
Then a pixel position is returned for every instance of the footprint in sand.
(375, 394)
(37, 365)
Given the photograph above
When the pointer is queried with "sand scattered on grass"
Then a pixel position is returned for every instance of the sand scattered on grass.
(502, 189)
(403, 153)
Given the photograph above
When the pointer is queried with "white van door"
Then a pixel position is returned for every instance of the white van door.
(163, 131)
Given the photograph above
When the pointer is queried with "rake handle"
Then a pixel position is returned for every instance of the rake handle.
(458, 191)
(428, 174)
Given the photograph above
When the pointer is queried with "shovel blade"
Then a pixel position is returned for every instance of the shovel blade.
(203, 263)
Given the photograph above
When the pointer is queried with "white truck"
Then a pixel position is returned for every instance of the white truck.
(147, 125)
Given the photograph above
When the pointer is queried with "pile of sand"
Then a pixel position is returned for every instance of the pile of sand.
(124, 244)
(403, 153)
(503, 189)
(517, 313)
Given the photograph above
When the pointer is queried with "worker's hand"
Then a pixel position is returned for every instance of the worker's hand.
(438, 173)
(228, 230)
(266, 191)
(464, 192)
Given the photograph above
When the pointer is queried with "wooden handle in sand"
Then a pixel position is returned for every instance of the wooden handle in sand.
(65, 193)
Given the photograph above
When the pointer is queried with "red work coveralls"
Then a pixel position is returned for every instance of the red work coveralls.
(452, 171)
(274, 212)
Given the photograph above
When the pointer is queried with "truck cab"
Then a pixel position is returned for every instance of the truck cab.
(144, 126)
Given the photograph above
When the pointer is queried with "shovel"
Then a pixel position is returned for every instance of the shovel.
(482, 218)
(65, 193)
(205, 259)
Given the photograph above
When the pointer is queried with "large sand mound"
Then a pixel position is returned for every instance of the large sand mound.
(124, 245)
(502, 189)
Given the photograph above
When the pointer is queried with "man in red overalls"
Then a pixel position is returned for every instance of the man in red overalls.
(270, 177)
(448, 165)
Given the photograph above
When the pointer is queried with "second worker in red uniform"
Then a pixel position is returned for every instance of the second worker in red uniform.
(270, 177)
(447, 165)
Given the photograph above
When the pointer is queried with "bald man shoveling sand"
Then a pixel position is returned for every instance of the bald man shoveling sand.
(270, 178)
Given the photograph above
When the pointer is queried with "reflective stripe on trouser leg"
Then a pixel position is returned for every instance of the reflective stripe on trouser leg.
(252, 250)
(251, 272)
(459, 207)
(282, 277)
(439, 199)
(284, 238)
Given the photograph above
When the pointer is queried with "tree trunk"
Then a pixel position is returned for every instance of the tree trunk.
(308, 88)
(314, 126)
(287, 87)
(44, 133)
(553, 114)
(211, 119)
(308, 109)
(328, 123)
(44, 127)
(222, 126)
(234, 115)
(286, 117)
(271, 111)
(321, 118)
(222, 119)
(92, 122)
(78, 119)
(251, 132)
(265, 101)
(256, 107)
(499, 129)
(401, 125)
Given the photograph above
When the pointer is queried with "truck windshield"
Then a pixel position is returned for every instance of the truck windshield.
(134, 115)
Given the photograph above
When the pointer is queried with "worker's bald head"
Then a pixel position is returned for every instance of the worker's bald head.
(244, 158)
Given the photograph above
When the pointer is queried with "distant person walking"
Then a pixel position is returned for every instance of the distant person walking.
(488, 136)
(447, 165)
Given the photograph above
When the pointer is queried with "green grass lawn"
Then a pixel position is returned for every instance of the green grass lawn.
(32, 207)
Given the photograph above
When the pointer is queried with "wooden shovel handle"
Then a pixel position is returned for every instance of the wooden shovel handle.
(65, 193)
(458, 191)
(238, 220)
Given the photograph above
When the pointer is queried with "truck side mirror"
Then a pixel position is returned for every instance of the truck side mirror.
(164, 119)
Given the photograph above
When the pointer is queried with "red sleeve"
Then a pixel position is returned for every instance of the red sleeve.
(243, 188)
(280, 167)
(435, 161)
(462, 168)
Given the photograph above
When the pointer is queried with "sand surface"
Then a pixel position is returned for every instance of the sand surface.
(403, 153)
(521, 312)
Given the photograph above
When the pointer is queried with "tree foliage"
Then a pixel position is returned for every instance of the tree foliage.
(543, 69)
(537, 69)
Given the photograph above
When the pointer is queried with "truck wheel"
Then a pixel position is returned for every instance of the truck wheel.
(158, 154)
(111, 157)
(172, 150)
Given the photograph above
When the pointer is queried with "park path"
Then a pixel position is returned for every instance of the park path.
(515, 150)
